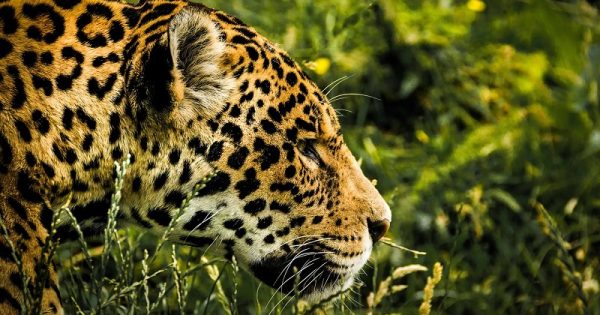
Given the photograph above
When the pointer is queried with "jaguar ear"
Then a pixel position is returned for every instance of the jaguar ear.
(196, 50)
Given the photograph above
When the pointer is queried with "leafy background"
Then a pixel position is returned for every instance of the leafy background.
(481, 124)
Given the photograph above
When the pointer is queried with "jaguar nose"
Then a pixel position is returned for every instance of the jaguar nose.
(377, 229)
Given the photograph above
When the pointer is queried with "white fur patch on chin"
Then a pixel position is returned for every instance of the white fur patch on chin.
(328, 292)
(357, 264)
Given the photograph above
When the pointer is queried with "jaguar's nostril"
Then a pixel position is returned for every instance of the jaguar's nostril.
(377, 229)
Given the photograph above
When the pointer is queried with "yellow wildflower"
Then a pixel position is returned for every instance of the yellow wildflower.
(476, 5)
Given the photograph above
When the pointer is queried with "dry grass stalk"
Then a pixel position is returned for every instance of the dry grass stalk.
(425, 307)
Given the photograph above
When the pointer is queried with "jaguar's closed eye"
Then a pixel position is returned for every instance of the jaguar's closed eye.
(307, 148)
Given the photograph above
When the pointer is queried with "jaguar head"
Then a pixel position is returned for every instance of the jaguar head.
(288, 201)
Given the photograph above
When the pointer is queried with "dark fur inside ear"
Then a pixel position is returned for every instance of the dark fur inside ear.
(158, 78)
(150, 87)
(196, 48)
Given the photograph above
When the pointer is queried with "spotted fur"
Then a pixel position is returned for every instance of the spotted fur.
(185, 91)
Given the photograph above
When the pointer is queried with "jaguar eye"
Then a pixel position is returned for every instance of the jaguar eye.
(307, 148)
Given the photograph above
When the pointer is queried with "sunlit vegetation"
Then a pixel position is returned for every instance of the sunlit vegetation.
(480, 121)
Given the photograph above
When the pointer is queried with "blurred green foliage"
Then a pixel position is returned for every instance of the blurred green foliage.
(487, 109)
(486, 115)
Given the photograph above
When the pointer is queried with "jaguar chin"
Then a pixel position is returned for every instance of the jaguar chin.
(314, 270)
(308, 274)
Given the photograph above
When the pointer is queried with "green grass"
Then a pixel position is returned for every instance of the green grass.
(485, 141)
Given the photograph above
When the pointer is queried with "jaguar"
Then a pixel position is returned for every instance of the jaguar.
(189, 95)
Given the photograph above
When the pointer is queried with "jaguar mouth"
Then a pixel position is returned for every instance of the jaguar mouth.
(307, 275)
